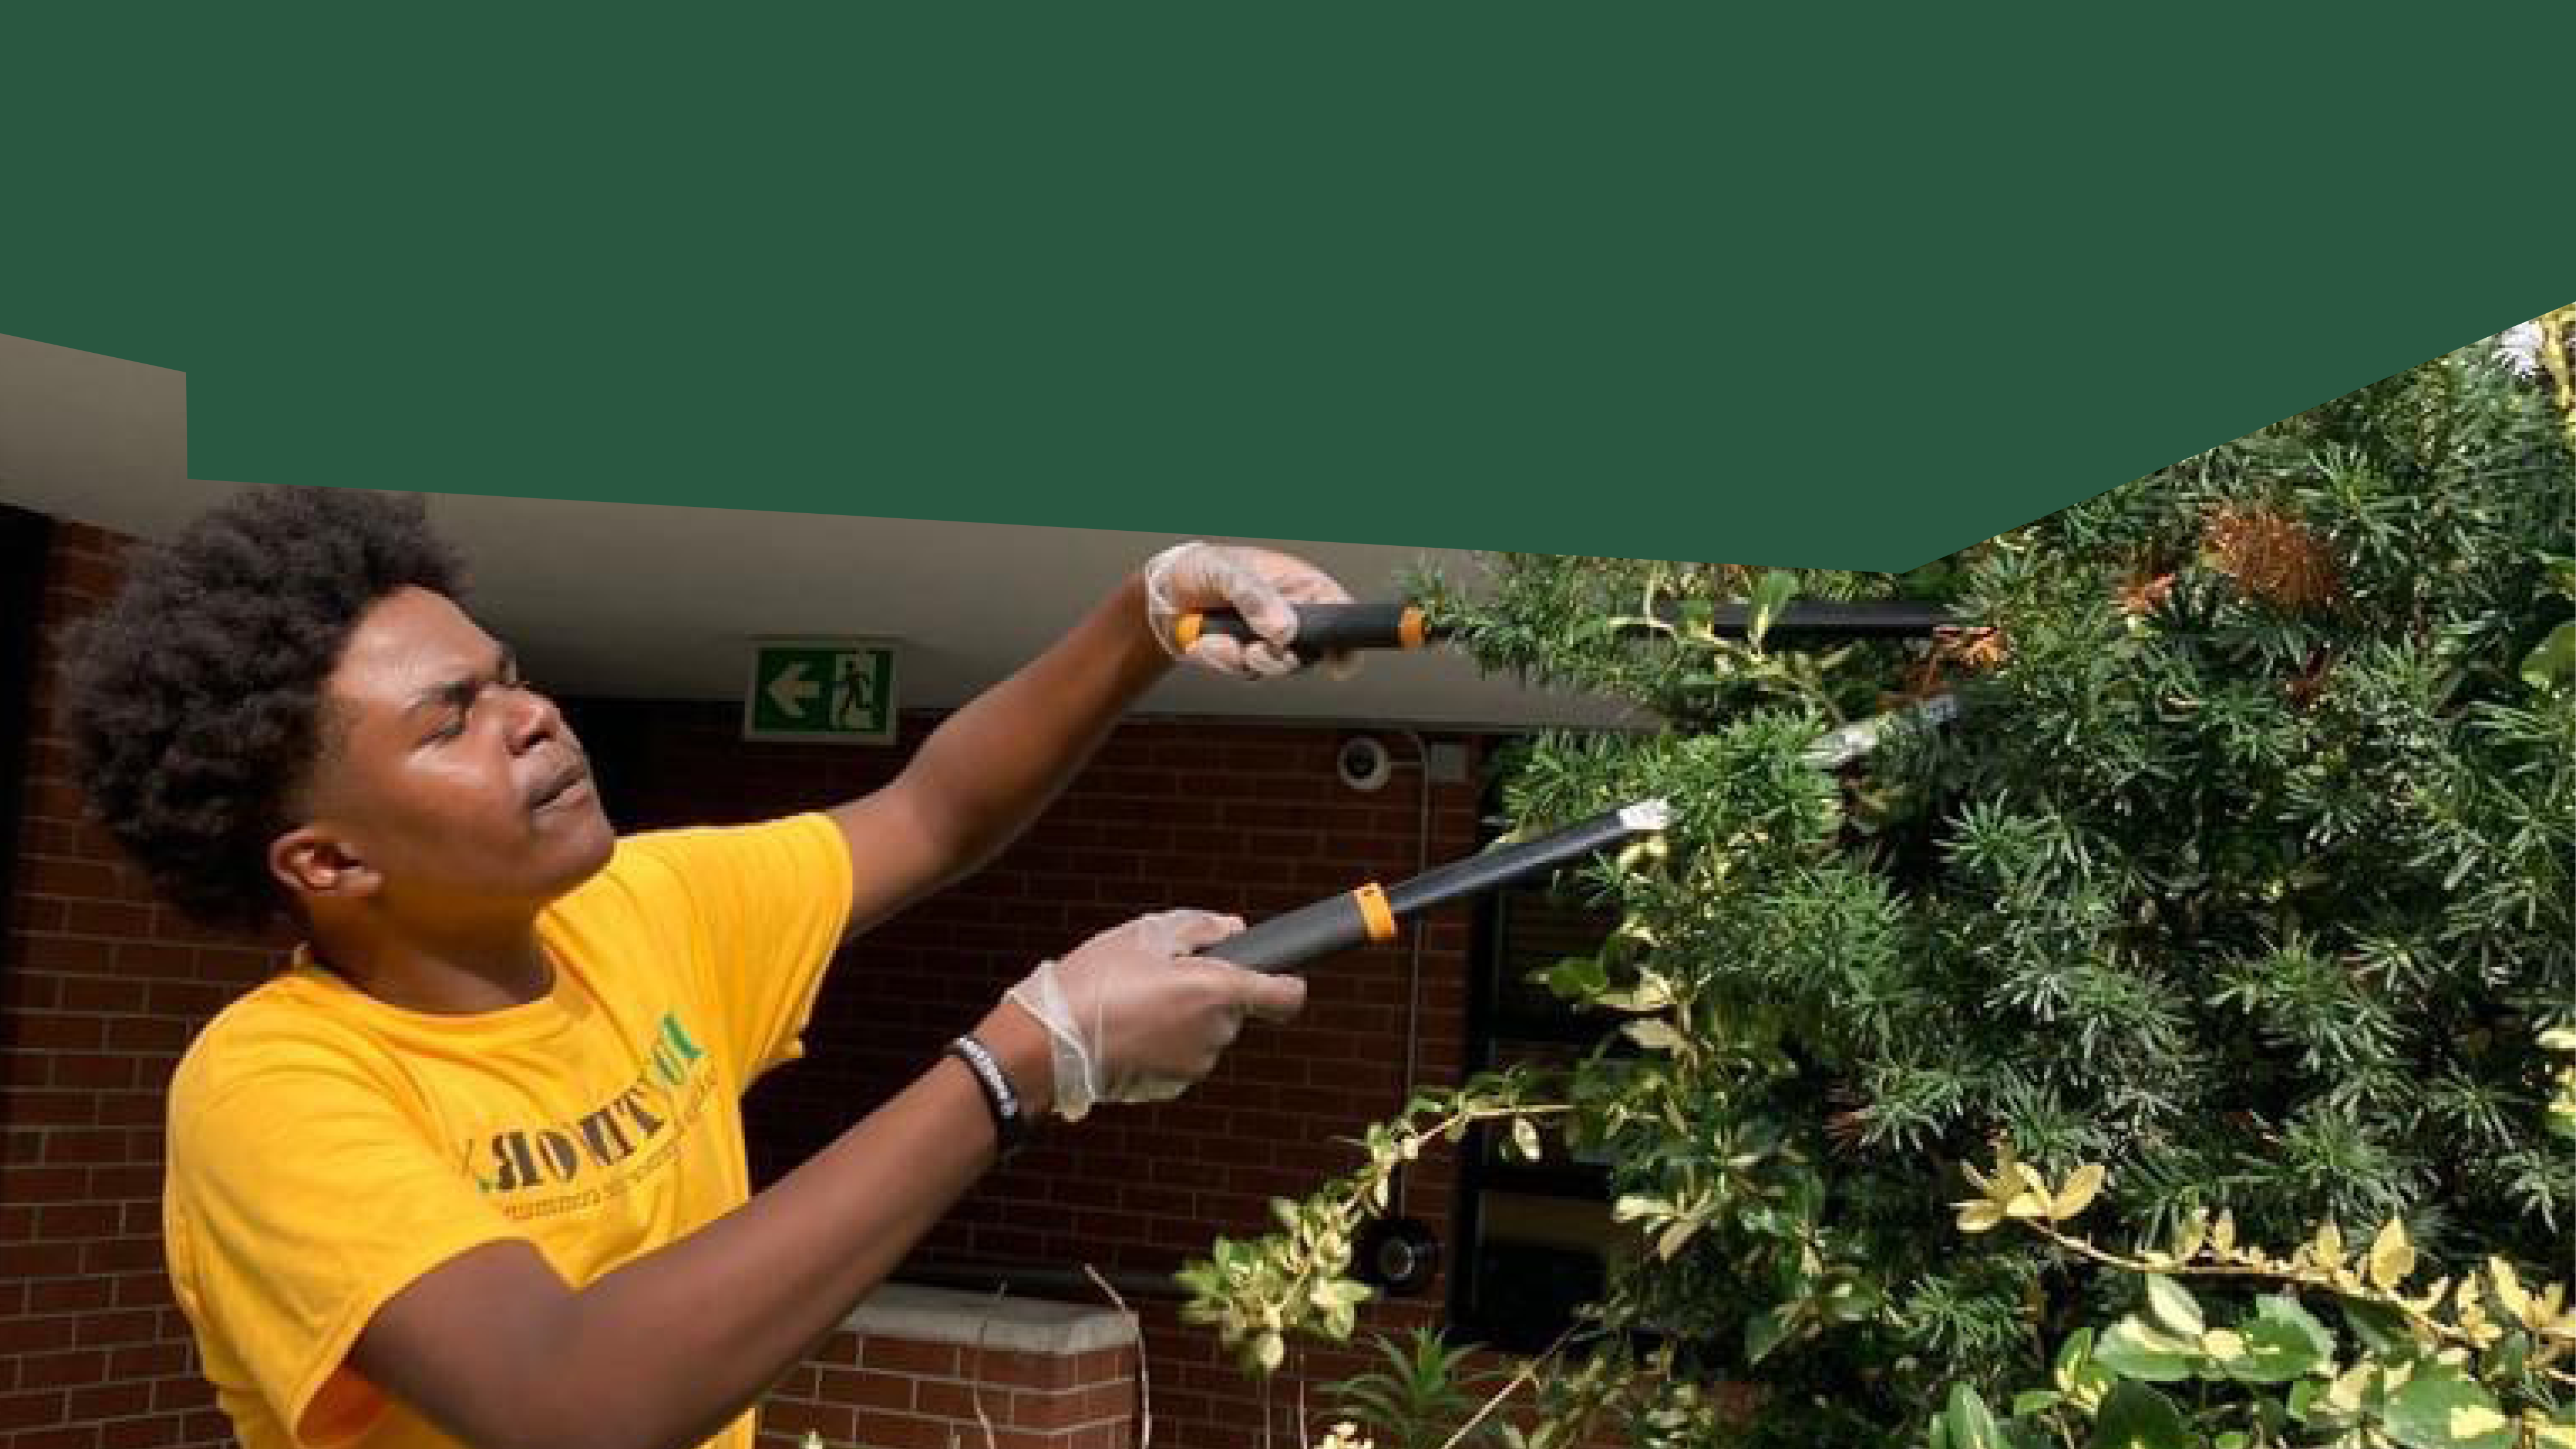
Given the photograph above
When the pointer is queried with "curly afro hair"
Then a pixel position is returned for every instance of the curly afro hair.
(194, 699)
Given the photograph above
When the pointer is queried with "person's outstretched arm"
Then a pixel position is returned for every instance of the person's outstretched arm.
(993, 767)
(500, 1352)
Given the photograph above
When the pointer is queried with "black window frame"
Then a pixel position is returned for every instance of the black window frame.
(1495, 1017)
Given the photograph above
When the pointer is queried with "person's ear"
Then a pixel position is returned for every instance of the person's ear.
(313, 861)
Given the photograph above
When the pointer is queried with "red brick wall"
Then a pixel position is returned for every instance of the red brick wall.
(892, 1393)
(101, 987)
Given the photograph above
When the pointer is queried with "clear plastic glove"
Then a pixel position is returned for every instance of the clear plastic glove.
(1257, 583)
(1133, 1017)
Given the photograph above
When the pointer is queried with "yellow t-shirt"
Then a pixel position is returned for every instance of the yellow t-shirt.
(327, 1149)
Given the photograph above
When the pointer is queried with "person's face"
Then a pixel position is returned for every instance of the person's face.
(444, 783)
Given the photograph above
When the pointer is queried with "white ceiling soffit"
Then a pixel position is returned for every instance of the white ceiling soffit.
(644, 602)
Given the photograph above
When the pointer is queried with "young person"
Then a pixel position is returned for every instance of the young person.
(470, 1166)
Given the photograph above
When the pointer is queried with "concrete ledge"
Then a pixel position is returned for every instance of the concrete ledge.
(1023, 1325)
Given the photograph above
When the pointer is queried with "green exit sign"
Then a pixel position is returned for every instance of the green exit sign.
(824, 691)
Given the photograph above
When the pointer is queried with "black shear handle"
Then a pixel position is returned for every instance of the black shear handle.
(1286, 942)
(1323, 628)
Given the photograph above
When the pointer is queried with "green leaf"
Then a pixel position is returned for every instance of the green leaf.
(1971, 1425)
(1525, 1139)
(1852, 1302)
(1763, 1333)
(2076, 1373)
(2282, 1342)
(2552, 663)
(2134, 1350)
(1676, 1234)
(2560, 570)
(1576, 978)
(2035, 1401)
(2391, 1257)
(2381, 1329)
(1634, 1206)
(2507, 1360)
(2227, 1355)
(2303, 1397)
(2073, 1354)
(2444, 1411)
(1338, 1321)
(2174, 1309)
(1339, 1293)
(1654, 1035)
(1771, 593)
(2137, 1417)
(2078, 1193)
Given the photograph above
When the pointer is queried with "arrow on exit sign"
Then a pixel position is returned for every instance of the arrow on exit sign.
(790, 692)
(820, 690)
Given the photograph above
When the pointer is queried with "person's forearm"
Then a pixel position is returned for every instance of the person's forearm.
(994, 765)
(689, 1336)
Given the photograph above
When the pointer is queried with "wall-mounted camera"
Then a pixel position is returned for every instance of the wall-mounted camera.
(1363, 763)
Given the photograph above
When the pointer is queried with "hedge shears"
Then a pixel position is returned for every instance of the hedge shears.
(1371, 913)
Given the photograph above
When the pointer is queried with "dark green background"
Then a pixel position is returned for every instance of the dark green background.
(1839, 285)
